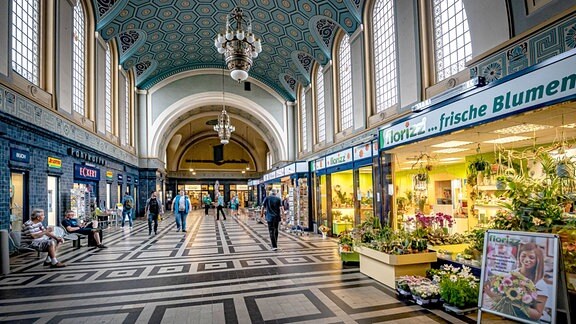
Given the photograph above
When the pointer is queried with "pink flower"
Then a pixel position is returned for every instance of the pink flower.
(507, 282)
(501, 289)
(527, 299)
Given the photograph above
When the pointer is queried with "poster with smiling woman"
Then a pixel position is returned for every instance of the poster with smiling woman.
(520, 276)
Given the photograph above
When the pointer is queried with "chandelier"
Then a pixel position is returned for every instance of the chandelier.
(224, 128)
(238, 44)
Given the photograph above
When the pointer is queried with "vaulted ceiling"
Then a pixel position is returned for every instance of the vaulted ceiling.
(160, 38)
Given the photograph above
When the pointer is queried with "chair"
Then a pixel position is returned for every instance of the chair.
(76, 238)
(14, 240)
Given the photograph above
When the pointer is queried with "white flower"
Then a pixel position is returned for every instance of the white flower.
(453, 278)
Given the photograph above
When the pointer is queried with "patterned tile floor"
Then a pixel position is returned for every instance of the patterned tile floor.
(218, 272)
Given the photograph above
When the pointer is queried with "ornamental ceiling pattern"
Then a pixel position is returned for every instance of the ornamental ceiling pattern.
(178, 35)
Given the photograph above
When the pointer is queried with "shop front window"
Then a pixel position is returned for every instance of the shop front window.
(321, 200)
(342, 201)
(18, 208)
(366, 193)
(108, 195)
(53, 203)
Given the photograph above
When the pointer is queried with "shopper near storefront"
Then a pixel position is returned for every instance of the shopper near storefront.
(220, 207)
(127, 207)
(207, 201)
(234, 205)
(181, 207)
(154, 209)
(272, 206)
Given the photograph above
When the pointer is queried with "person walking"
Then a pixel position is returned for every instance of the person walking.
(153, 209)
(181, 207)
(220, 207)
(127, 207)
(207, 201)
(272, 205)
(234, 204)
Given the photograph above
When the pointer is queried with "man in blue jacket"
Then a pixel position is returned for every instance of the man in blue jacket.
(181, 207)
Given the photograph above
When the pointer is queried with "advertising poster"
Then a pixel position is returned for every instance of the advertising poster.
(519, 276)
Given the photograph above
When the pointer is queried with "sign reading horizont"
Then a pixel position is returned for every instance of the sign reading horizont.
(552, 82)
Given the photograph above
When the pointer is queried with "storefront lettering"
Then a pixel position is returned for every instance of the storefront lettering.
(504, 240)
(525, 92)
(90, 173)
(338, 159)
(408, 132)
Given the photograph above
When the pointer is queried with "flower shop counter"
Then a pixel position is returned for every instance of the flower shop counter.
(386, 267)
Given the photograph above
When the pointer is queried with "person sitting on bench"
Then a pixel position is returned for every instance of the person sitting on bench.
(40, 238)
(71, 225)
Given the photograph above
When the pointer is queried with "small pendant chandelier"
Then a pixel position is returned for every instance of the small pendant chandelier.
(238, 44)
(224, 128)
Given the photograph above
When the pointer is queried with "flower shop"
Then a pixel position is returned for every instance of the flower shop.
(484, 159)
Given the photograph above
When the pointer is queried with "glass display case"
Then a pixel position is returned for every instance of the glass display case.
(365, 193)
(342, 201)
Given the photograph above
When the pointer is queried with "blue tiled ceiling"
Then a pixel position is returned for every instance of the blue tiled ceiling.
(172, 36)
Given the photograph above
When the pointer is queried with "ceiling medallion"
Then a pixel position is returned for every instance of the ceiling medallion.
(239, 45)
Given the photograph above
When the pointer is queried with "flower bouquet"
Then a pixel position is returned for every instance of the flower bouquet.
(513, 294)
(324, 230)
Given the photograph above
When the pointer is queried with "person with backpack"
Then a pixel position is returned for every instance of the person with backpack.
(153, 209)
(127, 207)
(181, 207)
(207, 201)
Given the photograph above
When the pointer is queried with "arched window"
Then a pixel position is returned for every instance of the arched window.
(108, 90)
(385, 55)
(303, 121)
(320, 111)
(127, 114)
(78, 61)
(345, 89)
(26, 39)
(452, 46)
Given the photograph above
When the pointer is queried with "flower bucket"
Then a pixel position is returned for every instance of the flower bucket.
(324, 235)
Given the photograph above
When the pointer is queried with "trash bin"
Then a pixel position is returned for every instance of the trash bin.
(4, 253)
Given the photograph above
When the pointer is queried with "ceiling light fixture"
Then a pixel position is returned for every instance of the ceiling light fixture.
(224, 127)
(238, 44)
(509, 139)
(523, 128)
(572, 125)
(451, 150)
(451, 144)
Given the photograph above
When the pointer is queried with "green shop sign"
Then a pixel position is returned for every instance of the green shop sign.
(552, 82)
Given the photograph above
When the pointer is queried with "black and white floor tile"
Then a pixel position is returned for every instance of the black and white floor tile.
(217, 272)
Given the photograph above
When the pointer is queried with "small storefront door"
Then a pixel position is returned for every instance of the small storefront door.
(18, 199)
(53, 200)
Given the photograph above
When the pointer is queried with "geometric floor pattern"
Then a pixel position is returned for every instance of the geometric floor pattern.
(217, 272)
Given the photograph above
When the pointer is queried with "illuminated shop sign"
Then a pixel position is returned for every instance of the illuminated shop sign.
(554, 82)
(339, 158)
(86, 173)
(54, 163)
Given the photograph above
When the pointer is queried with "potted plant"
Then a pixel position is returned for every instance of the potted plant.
(324, 230)
(346, 247)
(458, 287)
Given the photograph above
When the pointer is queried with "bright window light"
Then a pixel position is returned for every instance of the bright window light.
(451, 150)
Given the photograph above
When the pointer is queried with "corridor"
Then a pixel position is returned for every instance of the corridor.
(218, 272)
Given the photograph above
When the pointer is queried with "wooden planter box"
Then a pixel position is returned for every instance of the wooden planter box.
(386, 267)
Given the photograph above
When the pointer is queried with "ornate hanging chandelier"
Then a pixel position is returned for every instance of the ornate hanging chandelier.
(238, 44)
(224, 128)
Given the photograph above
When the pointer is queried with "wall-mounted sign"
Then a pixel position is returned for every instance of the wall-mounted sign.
(362, 151)
(120, 177)
(554, 82)
(128, 179)
(54, 163)
(339, 158)
(84, 172)
(109, 175)
(86, 156)
(320, 164)
(301, 167)
(19, 155)
(375, 148)
(192, 187)
(290, 169)
(241, 187)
